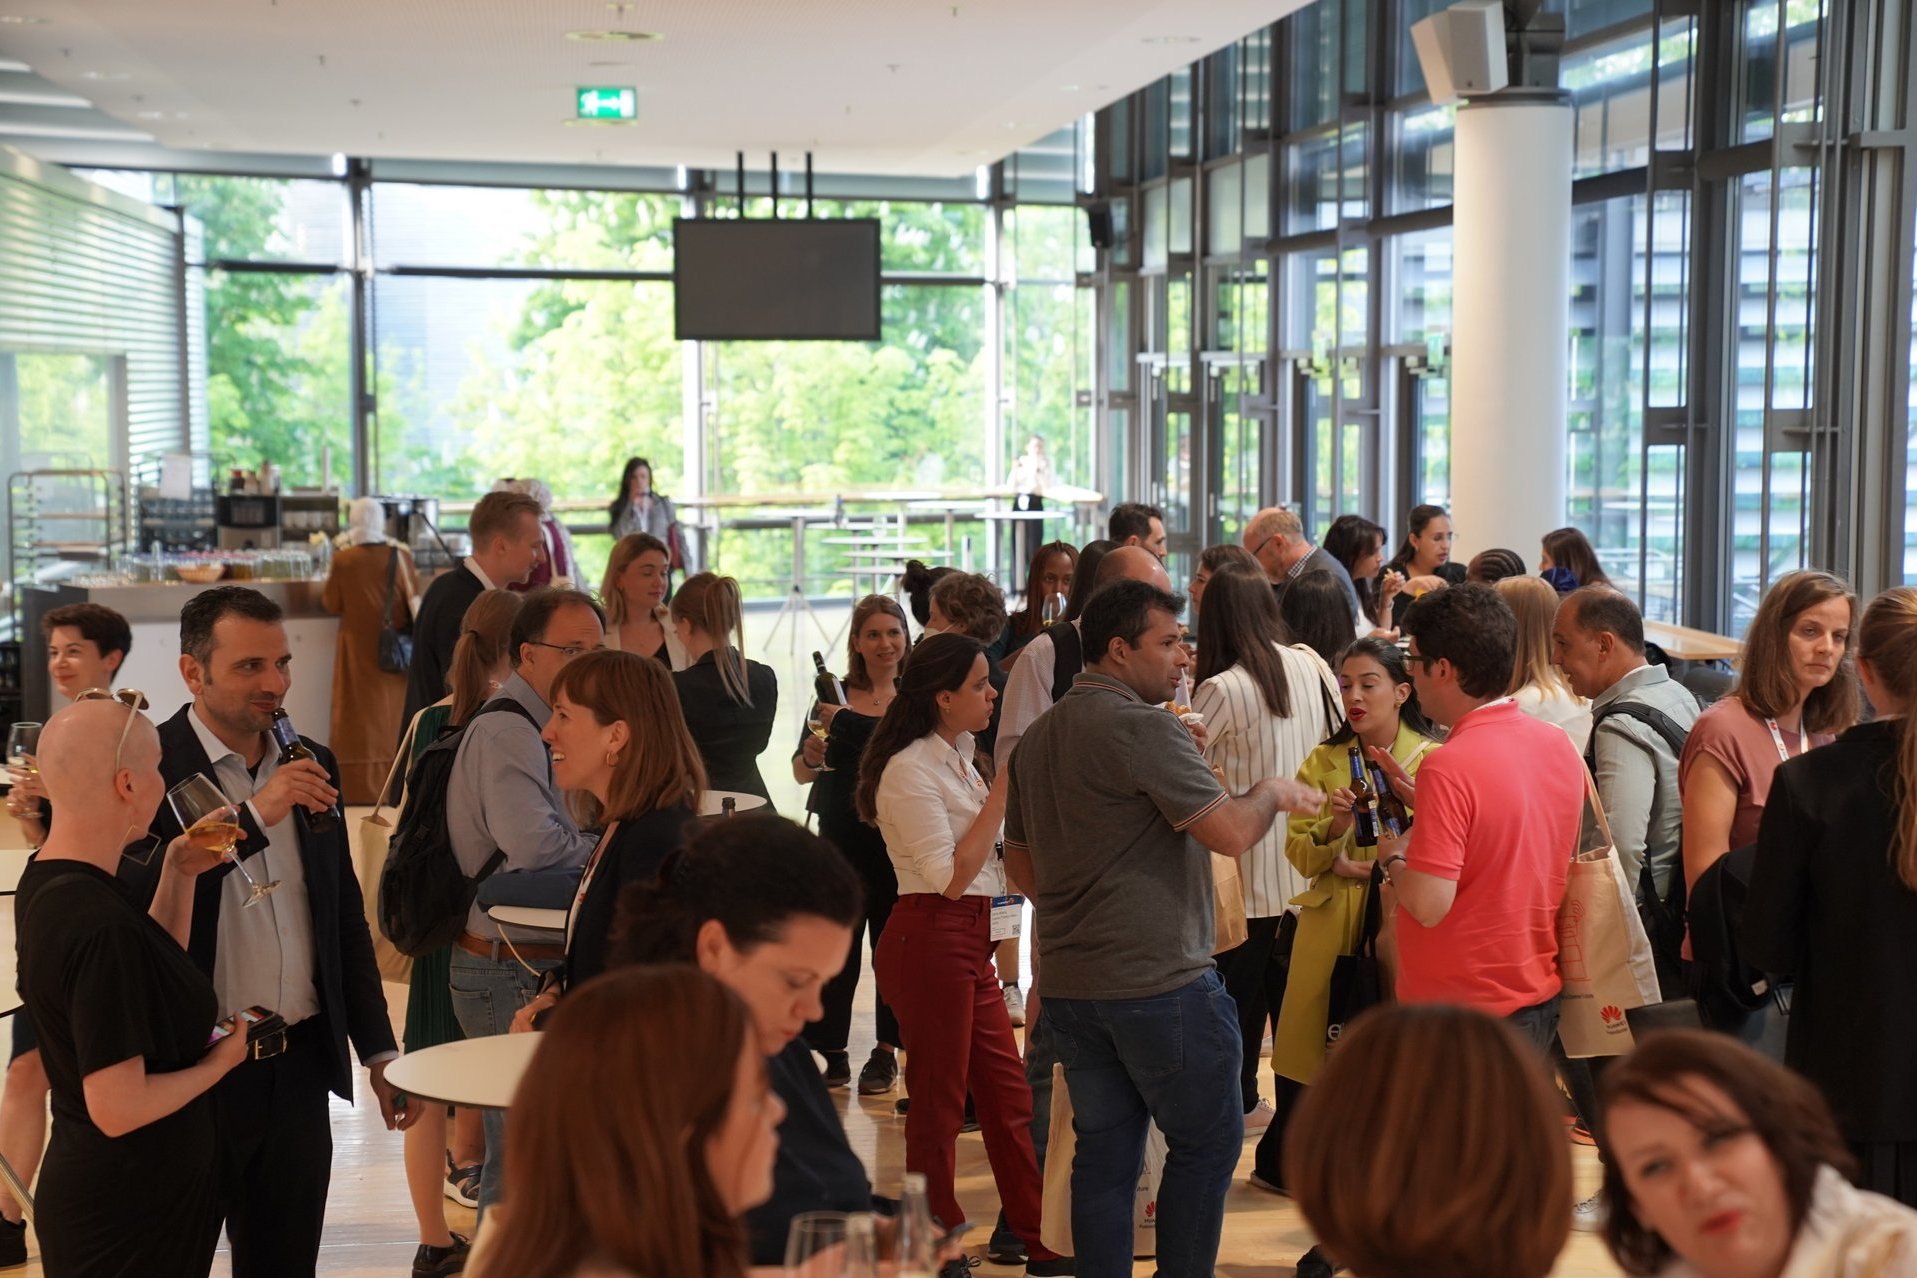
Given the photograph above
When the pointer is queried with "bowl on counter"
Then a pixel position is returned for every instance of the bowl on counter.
(201, 574)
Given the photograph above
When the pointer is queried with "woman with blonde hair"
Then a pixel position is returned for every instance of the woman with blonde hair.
(436, 1171)
(728, 700)
(1536, 685)
(695, 1144)
(1833, 899)
(633, 593)
(617, 735)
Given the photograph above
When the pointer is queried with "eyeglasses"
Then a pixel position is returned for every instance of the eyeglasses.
(1422, 660)
(1261, 545)
(565, 650)
(132, 698)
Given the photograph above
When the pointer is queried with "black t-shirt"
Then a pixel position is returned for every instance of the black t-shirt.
(104, 983)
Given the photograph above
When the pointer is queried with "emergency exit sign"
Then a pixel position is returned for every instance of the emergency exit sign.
(608, 104)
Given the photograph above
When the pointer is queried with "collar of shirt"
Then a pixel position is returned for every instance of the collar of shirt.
(472, 566)
(1641, 677)
(522, 692)
(1291, 573)
(1504, 708)
(217, 751)
(1095, 679)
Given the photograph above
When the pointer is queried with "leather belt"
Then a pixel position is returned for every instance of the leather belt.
(500, 951)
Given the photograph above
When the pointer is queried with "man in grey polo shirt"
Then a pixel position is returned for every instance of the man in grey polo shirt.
(1110, 814)
(501, 796)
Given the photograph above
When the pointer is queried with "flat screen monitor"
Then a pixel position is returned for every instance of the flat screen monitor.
(757, 280)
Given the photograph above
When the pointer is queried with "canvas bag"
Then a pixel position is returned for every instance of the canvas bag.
(375, 838)
(1228, 907)
(1061, 1147)
(1604, 956)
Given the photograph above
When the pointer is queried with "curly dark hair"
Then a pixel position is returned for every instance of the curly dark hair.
(1472, 627)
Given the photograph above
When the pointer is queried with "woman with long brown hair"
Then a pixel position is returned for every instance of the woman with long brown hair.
(633, 593)
(608, 1179)
(1536, 685)
(1566, 561)
(617, 735)
(729, 701)
(1050, 578)
(942, 822)
(875, 650)
(1833, 899)
(1266, 706)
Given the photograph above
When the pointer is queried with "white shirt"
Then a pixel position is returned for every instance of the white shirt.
(264, 955)
(929, 795)
(1570, 712)
(1248, 743)
(1028, 694)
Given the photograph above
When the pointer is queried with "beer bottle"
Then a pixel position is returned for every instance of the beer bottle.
(291, 748)
(1392, 813)
(1364, 805)
(825, 684)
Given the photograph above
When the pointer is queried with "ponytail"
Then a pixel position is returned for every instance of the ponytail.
(484, 645)
(1887, 639)
(715, 608)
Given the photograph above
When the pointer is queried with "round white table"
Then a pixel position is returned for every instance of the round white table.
(528, 916)
(713, 804)
(483, 1072)
(13, 863)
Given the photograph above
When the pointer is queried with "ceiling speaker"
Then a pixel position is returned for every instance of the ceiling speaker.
(1098, 223)
(1462, 50)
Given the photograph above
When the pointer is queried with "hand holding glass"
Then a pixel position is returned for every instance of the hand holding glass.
(23, 742)
(212, 821)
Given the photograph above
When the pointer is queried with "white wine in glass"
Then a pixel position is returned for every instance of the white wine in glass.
(23, 742)
(212, 821)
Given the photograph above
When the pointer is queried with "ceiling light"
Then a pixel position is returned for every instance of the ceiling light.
(1171, 40)
(29, 97)
(21, 128)
(614, 37)
(101, 76)
(20, 20)
(1068, 88)
(13, 64)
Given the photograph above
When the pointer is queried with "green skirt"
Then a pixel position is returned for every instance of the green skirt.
(429, 1003)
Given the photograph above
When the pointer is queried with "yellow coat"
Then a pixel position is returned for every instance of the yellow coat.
(1331, 911)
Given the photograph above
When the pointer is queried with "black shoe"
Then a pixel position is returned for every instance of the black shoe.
(881, 1073)
(13, 1243)
(902, 1106)
(441, 1262)
(971, 1117)
(1005, 1247)
(1059, 1268)
(1315, 1264)
(838, 1069)
(960, 1267)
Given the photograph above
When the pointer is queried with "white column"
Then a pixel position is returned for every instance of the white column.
(1510, 316)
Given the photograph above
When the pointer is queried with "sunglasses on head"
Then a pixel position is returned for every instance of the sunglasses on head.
(132, 698)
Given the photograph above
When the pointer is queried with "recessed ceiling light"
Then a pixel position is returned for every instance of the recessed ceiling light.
(614, 37)
(608, 62)
(1171, 40)
(103, 76)
(20, 20)
(13, 64)
(1068, 88)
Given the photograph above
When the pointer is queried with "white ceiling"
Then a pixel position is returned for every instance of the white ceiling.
(928, 88)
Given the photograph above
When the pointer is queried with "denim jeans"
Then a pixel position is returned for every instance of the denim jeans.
(485, 996)
(1039, 1059)
(1172, 1059)
(1539, 1026)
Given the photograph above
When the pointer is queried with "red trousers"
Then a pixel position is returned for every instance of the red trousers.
(934, 965)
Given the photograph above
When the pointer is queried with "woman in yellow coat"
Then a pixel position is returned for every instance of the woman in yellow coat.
(1381, 712)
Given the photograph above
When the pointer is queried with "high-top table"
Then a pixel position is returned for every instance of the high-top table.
(712, 803)
(1688, 644)
(481, 1072)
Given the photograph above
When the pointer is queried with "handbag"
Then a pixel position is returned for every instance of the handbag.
(1604, 954)
(1357, 982)
(375, 838)
(1061, 1151)
(1228, 905)
(395, 645)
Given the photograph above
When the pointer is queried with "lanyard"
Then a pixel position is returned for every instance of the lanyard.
(585, 880)
(1777, 739)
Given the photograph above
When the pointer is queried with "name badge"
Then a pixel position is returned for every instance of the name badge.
(1008, 915)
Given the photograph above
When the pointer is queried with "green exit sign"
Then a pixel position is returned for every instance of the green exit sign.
(608, 104)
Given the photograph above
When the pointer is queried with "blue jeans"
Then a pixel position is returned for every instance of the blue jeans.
(1039, 1058)
(1172, 1059)
(485, 996)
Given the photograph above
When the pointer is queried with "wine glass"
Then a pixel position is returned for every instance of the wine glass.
(831, 1244)
(1051, 609)
(816, 725)
(212, 821)
(23, 742)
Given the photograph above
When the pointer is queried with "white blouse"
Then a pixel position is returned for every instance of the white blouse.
(929, 795)
(675, 650)
(1572, 713)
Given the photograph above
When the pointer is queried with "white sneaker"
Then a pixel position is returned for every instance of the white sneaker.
(1589, 1216)
(1260, 1118)
(1015, 1005)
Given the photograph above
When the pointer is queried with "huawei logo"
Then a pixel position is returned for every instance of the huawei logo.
(1611, 1015)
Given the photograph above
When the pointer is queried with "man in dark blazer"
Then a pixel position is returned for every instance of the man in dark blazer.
(507, 546)
(303, 951)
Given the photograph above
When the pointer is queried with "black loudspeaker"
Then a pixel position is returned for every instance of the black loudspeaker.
(1098, 221)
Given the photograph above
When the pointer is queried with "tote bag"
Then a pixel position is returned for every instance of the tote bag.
(1604, 956)
(375, 837)
(1061, 1148)
(1228, 905)
(1357, 979)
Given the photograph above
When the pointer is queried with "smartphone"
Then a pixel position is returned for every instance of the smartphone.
(951, 1236)
(251, 1016)
(265, 1032)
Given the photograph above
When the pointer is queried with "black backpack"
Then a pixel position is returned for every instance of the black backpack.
(1662, 915)
(424, 897)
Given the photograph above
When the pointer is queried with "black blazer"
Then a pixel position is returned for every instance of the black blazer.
(638, 845)
(1826, 906)
(350, 995)
(435, 633)
(730, 737)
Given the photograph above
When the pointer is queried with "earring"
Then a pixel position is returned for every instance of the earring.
(612, 759)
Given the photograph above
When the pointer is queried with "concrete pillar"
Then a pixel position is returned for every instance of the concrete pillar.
(1510, 317)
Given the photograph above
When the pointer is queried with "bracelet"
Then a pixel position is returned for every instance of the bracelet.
(1395, 856)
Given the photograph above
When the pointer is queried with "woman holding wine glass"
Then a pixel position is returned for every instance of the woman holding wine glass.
(1047, 587)
(829, 762)
(131, 1179)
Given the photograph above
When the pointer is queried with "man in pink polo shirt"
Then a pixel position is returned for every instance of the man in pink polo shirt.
(1480, 876)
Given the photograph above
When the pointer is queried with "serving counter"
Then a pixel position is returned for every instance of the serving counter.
(153, 610)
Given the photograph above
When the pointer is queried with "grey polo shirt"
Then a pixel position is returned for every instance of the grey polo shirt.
(501, 796)
(1103, 787)
(1636, 773)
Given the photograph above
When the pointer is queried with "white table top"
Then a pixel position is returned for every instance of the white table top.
(483, 1072)
(713, 804)
(909, 552)
(13, 863)
(528, 916)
